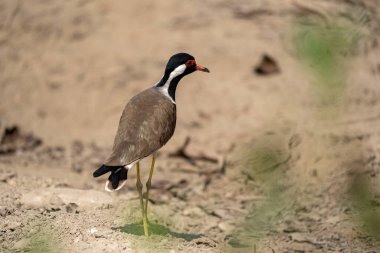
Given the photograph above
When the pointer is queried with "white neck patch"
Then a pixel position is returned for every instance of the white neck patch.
(176, 72)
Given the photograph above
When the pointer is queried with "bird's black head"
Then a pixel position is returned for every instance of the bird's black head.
(183, 60)
(178, 66)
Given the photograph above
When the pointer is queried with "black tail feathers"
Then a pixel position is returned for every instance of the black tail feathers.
(117, 176)
(118, 173)
(105, 169)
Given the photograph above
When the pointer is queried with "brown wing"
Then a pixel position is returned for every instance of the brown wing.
(147, 123)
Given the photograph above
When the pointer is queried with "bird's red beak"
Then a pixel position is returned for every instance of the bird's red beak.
(200, 68)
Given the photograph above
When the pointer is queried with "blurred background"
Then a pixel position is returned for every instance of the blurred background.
(277, 149)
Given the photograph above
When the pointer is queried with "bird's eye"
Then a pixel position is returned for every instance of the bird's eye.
(190, 63)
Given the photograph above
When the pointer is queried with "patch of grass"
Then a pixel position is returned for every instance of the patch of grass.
(323, 49)
(361, 196)
(41, 241)
(156, 229)
(266, 164)
(138, 229)
(264, 159)
(161, 237)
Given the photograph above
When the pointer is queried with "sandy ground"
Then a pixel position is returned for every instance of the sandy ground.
(67, 69)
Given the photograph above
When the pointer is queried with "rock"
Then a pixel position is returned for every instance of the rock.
(20, 244)
(53, 197)
(92, 230)
(5, 176)
(225, 226)
(4, 211)
(99, 233)
(12, 140)
(55, 202)
(221, 213)
(13, 225)
(267, 66)
(193, 211)
(302, 238)
(71, 208)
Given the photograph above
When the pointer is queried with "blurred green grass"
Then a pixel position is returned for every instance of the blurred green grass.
(266, 164)
(42, 241)
(156, 229)
(130, 216)
(323, 49)
(367, 215)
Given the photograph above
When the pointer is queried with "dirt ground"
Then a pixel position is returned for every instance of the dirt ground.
(67, 69)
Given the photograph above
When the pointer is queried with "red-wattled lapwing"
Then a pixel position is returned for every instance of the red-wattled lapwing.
(147, 123)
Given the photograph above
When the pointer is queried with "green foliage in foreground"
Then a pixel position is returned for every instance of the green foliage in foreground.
(266, 165)
(362, 199)
(323, 49)
(41, 241)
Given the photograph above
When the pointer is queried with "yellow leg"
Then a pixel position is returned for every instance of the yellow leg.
(148, 185)
(139, 187)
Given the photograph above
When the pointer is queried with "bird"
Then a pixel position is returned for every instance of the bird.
(147, 123)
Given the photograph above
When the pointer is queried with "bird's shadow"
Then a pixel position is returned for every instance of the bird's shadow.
(155, 229)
